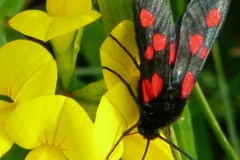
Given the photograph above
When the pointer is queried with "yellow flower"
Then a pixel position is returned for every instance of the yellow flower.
(63, 25)
(27, 71)
(64, 16)
(54, 127)
(118, 111)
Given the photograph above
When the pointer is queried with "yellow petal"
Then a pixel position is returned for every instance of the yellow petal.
(67, 7)
(28, 70)
(117, 112)
(41, 26)
(113, 55)
(53, 120)
(5, 141)
(46, 153)
(76, 129)
(123, 102)
(158, 149)
(107, 130)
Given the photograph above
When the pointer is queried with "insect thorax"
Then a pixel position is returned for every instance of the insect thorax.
(160, 112)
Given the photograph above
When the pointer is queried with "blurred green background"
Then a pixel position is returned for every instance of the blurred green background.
(219, 80)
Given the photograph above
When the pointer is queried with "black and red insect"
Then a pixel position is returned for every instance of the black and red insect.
(171, 57)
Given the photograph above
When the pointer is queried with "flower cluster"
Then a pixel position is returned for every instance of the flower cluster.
(55, 126)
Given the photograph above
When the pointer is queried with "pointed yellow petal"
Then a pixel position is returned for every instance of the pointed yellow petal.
(62, 25)
(41, 26)
(158, 149)
(54, 120)
(113, 55)
(68, 7)
(28, 70)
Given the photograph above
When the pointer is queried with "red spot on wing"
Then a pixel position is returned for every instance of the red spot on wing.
(146, 18)
(151, 89)
(148, 53)
(187, 85)
(159, 42)
(172, 54)
(147, 90)
(203, 53)
(157, 84)
(195, 42)
(213, 18)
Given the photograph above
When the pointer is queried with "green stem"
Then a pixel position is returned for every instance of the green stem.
(214, 124)
(224, 92)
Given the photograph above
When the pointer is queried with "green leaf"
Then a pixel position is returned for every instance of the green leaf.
(227, 105)
(178, 8)
(205, 108)
(204, 145)
(10, 7)
(114, 11)
(3, 38)
(90, 96)
(15, 152)
(184, 133)
(92, 39)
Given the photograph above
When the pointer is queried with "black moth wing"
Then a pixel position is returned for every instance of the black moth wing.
(162, 24)
(199, 18)
(159, 103)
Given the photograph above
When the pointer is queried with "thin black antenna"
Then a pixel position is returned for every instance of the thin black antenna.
(146, 149)
(119, 140)
(125, 49)
(176, 147)
(125, 82)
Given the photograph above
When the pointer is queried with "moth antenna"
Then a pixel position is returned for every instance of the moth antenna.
(176, 147)
(125, 133)
(146, 149)
(125, 49)
(125, 82)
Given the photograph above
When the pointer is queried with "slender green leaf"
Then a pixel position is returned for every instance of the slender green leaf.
(203, 142)
(114, 11)
(184, 133)
(214, 124)
(224, 91)
(92, 39)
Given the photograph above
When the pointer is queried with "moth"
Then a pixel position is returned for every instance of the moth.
(171, 57)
